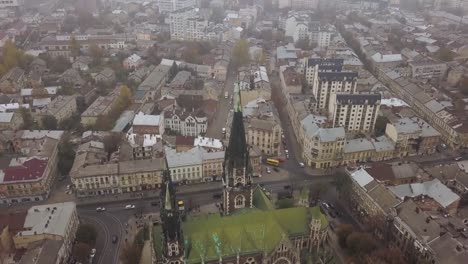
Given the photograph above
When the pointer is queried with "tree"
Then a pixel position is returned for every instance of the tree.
(131, 254)
(360, 244)
(260, 57)
(303, 44)
(59, 64)
(217, 14)
(191, 54)
(463, 85)
(112, 143)
(86, 233)
(444, 54)
(81, 251)
(380, 125)
(49, 122)
(343, 231)
(74, 47)
(66, 155)
(241, 56)
(28, 121)
(386, 255)
(173, 71)
(96, 53)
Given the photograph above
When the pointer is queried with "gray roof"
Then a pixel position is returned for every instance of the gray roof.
(358, 145)
(132, 166)
(407, 126)
(434, 106)
(383, 143)
(434, 189)
(44, 219)
(416, 220)
(6, 117)
(310, 125)
(175, 159)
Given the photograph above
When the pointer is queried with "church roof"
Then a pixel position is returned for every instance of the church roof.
(261, 200)
(208, 237)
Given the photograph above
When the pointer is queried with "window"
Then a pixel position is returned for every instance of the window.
(239, 201)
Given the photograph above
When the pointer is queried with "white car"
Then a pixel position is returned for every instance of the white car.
(268, 170)
(100, 209)
(130, 206)
(69, 186)
(93, 253)
(301, 165)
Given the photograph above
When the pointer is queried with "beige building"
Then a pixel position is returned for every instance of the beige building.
(328, 84)
(100, 107)
(62, 107)
(10, 121)
(265, 134)
(29, 177)
(50, 222)
(212, 165)
(322, 147)
(432, 70)
(92, 177)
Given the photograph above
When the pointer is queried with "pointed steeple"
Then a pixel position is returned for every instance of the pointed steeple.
(167, 203)
(237, 152)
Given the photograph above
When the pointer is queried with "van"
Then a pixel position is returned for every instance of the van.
(224, 130)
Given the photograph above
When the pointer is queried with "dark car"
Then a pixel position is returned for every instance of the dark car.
(287, 187)
(155, 203)
(276, 169)
(332, 214)
(217, 195)
(114, 239)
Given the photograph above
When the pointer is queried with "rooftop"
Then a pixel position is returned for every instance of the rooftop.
(191, 157)
(208, 142)
(48, 219)
(22, 169)
(142, 119)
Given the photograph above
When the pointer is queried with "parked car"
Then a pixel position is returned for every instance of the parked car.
(302, 165)
(217, 195)
(276, 169)
(114, 239)
(69, 186)
(268, 170)
(287, 187)
(332, 213)
(155, 203)
(100, 209)
(93, 253)
(130, 206)
(223, 130)
(287, 156)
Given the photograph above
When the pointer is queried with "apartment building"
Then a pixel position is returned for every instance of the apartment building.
(48, 233)
(186, 24)
(357, 113)
(186, 166)
(327, 84)
(265, 134)
(28, 173)
(212, 163)
(299, 25)
(100, 107)
(312, 66)
(322, 146)
(141, 146)
(93, 174)
(169, 6)
(148, 124)
(413, 136)
(429, 70)
(185, 123)
(62, 107)
(10, 121)
(55, 46)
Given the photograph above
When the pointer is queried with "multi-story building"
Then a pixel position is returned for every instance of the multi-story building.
(185, 123)
(10, 121)
(100, 107)
(185, 166)
(61, 46)
(49, 223)
(311, 67)
(413, 135)
(432, 70)
(169, 6)
(265, 134)
(357, 113)
(299, 26)
(29, 174)
(212, 165)
(141, 146)
(328, 84)
(11, 3)
(62, 107)
(148, 124)
(322, 146)
(186, 24)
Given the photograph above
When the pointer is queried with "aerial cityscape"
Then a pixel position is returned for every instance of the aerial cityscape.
(233, 131)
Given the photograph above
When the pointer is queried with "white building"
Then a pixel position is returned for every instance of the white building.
(313, 66)
(357, 113)
(299, 26)
(11, 3)
(168, 6)
(185, 123)
(329, 83)
(185, 166)
(186, 24)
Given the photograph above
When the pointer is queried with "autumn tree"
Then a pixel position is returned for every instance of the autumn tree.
(380, 125)
(112, 143)
(390, 255)
(343, 231)
(66, 159)
(96, 53)
(13, 57)
(463, 85)
(131, 254)
(74, 47)
(49, 122)
(260, 57)
(240, 54)
(28, 121)
(444, 54)
(81, 251)
(359, 243)
(191, 54)
(86, 233)
(303, 44)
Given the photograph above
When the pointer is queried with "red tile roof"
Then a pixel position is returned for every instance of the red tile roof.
(184, 141)
(31, 169)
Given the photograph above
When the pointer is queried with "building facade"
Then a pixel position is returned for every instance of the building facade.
(185, 123)
(328, 84)
(265, 134)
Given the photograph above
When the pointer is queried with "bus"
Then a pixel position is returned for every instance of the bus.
(273, 162)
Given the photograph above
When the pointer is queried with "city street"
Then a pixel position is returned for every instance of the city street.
(224, 106)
